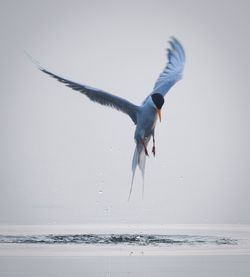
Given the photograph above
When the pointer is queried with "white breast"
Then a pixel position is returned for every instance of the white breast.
(146, 120)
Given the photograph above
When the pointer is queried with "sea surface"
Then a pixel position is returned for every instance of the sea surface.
(124, 250)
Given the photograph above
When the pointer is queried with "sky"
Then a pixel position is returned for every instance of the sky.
(66, 160)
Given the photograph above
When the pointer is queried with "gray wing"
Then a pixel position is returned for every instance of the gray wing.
(96, 95)
(173, 70)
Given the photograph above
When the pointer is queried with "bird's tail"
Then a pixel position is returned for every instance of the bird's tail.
(139, 159)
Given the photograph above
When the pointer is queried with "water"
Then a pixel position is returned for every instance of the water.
(124, 250)
(118, 239)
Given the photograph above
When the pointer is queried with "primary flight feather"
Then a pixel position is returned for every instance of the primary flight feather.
(145, 115)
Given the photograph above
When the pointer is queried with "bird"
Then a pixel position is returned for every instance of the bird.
(144, 116)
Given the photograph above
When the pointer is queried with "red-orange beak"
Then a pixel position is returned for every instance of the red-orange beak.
(159, 114)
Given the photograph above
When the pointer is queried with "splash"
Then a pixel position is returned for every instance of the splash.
(118, 239)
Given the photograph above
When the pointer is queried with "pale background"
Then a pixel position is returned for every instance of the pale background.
(66, 160)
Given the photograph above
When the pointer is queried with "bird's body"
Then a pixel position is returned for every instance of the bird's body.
(145, 115)
(146, 120)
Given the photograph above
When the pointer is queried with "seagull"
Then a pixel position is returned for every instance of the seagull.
(145, 115)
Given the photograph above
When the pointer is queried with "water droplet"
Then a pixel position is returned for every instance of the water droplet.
(100, 173)
(100, 192)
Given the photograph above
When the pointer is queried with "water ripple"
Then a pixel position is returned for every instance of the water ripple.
(118, 239)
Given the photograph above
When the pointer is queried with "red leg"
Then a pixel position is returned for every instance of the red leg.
(145, 148)
(153, 149)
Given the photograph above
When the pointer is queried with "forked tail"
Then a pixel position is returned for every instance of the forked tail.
(139, 159)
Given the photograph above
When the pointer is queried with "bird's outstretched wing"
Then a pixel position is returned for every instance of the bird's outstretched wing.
(173, 70)
(96, 95)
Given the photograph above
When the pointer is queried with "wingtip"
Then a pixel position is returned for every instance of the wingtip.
(34, 61)
(172, 38)
(177, 45)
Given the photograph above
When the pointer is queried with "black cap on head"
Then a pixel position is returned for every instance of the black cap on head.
(158, 100)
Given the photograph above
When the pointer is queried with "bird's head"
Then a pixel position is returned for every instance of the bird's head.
(158, 100)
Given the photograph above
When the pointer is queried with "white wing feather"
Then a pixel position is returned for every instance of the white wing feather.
(96, 95)
(173, 70)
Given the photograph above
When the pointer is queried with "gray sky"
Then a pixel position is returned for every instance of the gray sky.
(59, 150)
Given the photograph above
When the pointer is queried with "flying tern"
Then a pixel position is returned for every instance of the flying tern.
(143, 116)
